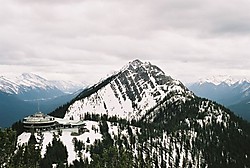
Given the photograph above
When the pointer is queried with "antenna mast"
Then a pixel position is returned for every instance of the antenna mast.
(38, 108)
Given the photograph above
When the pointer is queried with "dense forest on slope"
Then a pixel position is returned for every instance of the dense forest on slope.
(185, 141)
(188, 139)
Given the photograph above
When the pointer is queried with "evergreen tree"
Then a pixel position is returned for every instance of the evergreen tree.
(7, 145)
(27, 155)
(56, 153)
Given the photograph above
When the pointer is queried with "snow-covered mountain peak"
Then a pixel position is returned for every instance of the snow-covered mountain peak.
(26, 82)
(31, 76)
(33, 81)
(223, 79)
(243, 81)
(135, 63)
(138, 66)
(129, 94)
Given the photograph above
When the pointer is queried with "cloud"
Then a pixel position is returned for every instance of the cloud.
(82, 38)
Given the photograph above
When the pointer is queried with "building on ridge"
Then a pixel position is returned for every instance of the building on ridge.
(39, 121)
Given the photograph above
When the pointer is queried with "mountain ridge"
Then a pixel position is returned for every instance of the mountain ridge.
(26, 82)
(136, 86)
(219, 79)
(144, 118)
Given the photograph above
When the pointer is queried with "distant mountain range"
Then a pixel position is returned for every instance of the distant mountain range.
(26, 83)
(23, 95)
(233, 93)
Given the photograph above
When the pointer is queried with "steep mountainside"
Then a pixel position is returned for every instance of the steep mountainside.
(171, 127)
(235, 94)
(242, 109)
(128, 94)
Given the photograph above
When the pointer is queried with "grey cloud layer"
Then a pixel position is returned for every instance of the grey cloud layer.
(99, 36)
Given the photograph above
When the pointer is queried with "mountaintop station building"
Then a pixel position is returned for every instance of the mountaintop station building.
(40, 121)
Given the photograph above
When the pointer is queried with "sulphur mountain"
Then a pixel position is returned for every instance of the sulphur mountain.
(140, 117)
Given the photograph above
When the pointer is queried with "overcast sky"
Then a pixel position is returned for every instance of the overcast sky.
(87, 39)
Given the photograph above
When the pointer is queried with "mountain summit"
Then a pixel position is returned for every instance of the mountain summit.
(128, 94)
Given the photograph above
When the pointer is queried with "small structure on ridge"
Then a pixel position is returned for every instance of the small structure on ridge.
(39, 121)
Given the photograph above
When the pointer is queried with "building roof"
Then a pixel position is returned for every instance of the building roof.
(38, 118)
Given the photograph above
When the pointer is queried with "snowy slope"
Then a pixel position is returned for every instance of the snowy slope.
(129, 93)
(8, 86)
(68, 86)
(23, 83)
